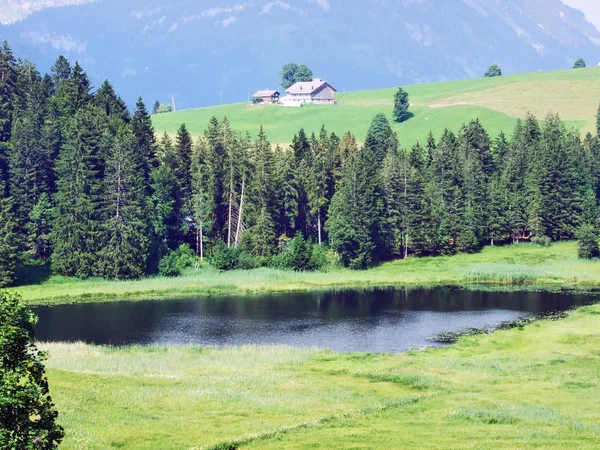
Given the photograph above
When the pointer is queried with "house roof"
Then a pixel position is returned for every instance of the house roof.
(307, 87)
(265, 93)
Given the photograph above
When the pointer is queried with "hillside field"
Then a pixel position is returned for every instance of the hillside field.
(497, 102)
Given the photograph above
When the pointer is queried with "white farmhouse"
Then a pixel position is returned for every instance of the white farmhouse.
(316, 91)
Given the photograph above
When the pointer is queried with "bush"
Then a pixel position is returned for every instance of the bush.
(579, 64)
(256, 100)
(224, 258)
(28, 416)
(300, 253)
(541, 241)
(493, 71)
(318, 258)
(587, 242)
(246, 261)
(174, 262)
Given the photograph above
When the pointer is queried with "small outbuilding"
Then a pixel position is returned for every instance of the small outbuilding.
(317, 91)
(267, 96)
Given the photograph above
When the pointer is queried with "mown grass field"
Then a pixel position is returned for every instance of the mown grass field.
(519, 264)
(535, 387)
(497, 102)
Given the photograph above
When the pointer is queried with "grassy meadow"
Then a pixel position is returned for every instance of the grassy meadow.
(527, 388)
(497, 102)
(519, 264)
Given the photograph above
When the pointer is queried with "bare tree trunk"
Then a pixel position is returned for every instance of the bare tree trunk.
(201, 243)
(229, 214)
(406, 246)
(240, 212)
(319, 225)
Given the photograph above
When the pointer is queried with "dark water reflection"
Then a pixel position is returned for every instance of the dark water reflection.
(387, 320)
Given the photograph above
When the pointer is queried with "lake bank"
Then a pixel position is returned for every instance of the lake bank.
(521, 266)
(487, 391)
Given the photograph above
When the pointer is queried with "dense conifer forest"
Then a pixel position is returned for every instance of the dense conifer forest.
(89, 190)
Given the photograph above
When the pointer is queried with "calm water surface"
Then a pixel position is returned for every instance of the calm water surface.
(385, 320)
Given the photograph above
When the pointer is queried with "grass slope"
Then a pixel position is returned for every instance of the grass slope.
(497, 102)
(535, 387)
(553, 266)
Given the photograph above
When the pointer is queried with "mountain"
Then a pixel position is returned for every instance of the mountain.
(198, 51)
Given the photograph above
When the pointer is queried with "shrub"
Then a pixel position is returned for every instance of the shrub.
(246, 261)
(174, 262)
(579, 64)
(224, 258)
(493, 71)
(300, 253)
(318, 258)
(587, 242)
(28, 416)
(256, 100)
(541, 241)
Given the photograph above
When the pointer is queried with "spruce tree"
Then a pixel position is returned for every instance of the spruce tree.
(401, 104)
(106, 99)
(356, 215)
(262, 204)
(378, 136)
(39, 228)
(9, 242)
(60, 71)
(287, 183)
(124, 227)
(316, 185)
(145, 143)
(79, 169)
(31, 164)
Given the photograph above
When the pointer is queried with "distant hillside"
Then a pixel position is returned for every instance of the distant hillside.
(497, 102)
(196, 50)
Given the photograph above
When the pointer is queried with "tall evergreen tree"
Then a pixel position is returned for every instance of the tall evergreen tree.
(9, 242)
(145, 142)
(378, 137)
(108, 101)
(287, 183)
(355, 221)
(80, 169)
(124, 227)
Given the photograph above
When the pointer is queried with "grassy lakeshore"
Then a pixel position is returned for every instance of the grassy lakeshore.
(531, 387)
(551, 267)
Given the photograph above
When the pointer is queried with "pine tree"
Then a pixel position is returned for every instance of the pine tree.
(356, 216)
(401, 104)
(287, 182)
(9, 242)
(108, 101)
(317, 182)
(8, 87)
(145, 143)
(201, 198)
(184, 145)
(60, 71)
(79, 170)
(39, 228)
(378, 135)
(164, 218)
(124, 227)
(31, 164)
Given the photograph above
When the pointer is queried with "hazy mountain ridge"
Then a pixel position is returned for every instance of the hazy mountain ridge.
(196, 50)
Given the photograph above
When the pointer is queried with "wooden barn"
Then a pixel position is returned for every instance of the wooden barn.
(267, 96)
(317, 91)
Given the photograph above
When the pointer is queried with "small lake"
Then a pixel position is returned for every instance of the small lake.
(380, 320)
